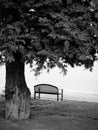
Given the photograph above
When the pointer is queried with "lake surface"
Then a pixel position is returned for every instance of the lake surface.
(81, 96)
(74, 95)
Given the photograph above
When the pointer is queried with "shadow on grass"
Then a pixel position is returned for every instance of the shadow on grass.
(52, 115)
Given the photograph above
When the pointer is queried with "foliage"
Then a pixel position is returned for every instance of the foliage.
(49, 32)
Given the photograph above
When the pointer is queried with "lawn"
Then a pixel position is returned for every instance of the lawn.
(52, 115)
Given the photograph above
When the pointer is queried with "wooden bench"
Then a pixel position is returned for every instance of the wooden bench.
(48, 89)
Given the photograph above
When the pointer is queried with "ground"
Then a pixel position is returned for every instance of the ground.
(52, 115)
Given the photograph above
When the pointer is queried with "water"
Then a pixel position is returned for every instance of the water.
(81, 96)
(74, 95)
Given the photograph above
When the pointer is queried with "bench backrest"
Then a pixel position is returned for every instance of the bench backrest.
(45, 88)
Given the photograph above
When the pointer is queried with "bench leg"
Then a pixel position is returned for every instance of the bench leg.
(62, 95)
(57, 97)
(39, 95)
(34, 95)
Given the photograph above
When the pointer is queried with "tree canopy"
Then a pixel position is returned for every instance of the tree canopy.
(49, 32)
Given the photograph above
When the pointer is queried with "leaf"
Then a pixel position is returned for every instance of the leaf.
(66, 45)
(69, 2)
(61, 37)
(96, 14)
(9, 57)
(83, 36)
(96, 33)
(52, 35)
(82, 57)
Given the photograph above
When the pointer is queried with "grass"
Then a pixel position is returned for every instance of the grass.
(51, 115)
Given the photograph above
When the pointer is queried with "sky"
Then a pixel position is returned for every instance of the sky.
(77, 80)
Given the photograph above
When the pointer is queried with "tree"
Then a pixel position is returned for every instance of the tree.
(46, 32)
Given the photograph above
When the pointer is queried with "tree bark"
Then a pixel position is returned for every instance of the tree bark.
(17, 93)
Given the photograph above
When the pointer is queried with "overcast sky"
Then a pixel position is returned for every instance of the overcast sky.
(77, 79)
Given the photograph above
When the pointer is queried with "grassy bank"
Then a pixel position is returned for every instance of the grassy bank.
(51, 115)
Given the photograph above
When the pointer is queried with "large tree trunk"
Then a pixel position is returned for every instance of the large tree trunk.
(17, 94)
